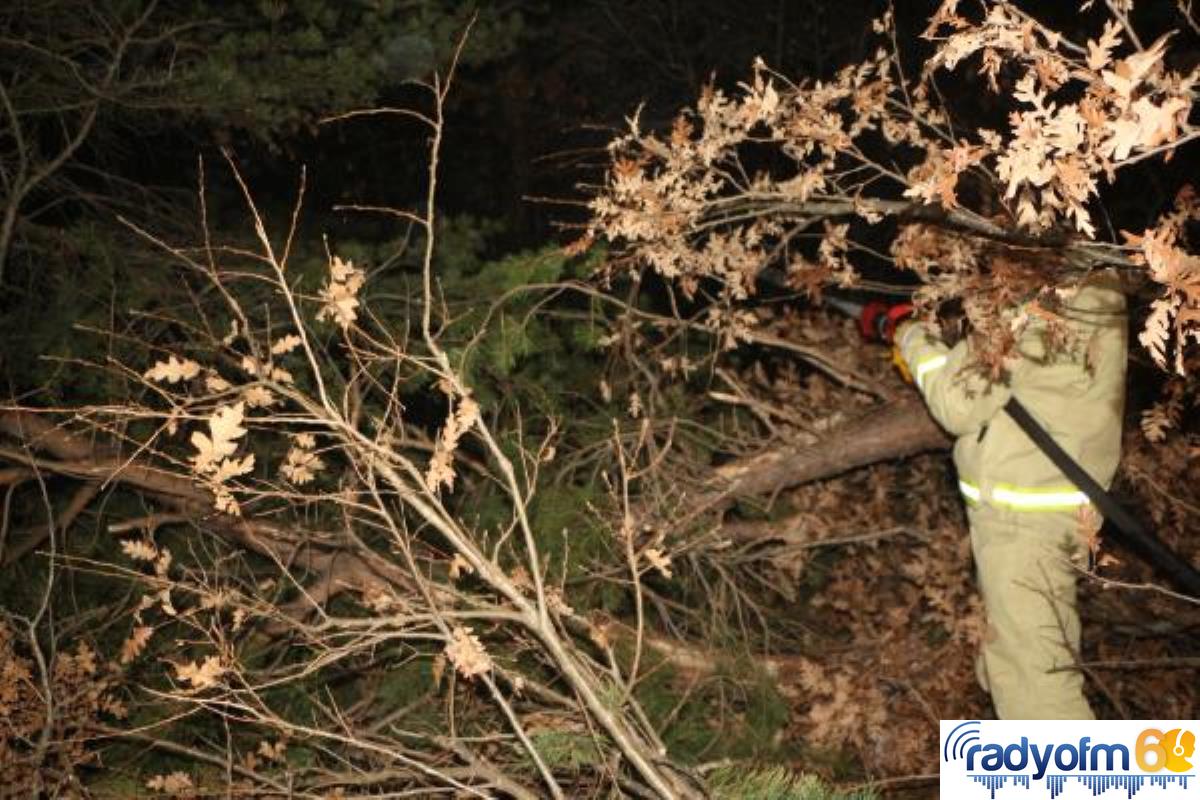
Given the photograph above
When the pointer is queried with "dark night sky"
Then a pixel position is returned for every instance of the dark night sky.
(534, 124)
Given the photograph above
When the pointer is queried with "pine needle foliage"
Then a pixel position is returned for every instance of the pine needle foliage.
(776, 783)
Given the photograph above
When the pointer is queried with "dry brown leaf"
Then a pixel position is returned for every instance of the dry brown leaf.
(441, 466)
(466, 653)
(233, 468)
(225, 502)
(301, 465)
(225, 428)
(1100, 52)
(557, 603)
(659, 560)
(286, 345)
(200, 675)
(258, 396)
(272, 752)
(174, 783)
(136, 643)
(339, 295)
(139, 550)
(173, 370)
(216, 384)
(635, 405)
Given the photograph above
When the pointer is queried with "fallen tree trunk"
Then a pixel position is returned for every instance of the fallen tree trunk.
(333, 564)
(898, 429)
(895, 430)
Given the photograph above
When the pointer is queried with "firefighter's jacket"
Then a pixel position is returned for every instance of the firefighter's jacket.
(1077, 395)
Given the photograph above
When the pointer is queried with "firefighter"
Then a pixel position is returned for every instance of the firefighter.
(1025, 515)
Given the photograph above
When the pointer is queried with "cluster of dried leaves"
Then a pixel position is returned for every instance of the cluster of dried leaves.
(49, 713)
(801, 176)
(865, 579)
(310, 413)
(896, 622)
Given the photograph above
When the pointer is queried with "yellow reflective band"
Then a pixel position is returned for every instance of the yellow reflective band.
(926, 366)
(1035, 500)
(1025, 499)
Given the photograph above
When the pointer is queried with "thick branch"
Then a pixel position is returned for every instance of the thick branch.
(68, 454)
(896, 430)
(1085, 254)
(79, 501)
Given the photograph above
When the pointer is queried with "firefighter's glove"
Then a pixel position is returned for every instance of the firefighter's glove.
(879, 320)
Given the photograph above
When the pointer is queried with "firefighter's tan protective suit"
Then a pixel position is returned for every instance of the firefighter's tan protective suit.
(1024, 514)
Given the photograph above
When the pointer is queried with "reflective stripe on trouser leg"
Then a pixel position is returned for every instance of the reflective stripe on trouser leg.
(1032, 638)
(1024, 499)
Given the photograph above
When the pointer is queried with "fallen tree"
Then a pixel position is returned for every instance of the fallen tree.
(374, 587)
(893, 430)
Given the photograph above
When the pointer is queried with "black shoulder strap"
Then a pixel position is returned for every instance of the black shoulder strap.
(1130, 529)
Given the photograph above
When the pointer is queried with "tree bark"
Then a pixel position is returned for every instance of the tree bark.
(894, 430)
(897, 429)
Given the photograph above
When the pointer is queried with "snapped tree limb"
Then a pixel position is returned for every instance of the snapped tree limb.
(896, 430)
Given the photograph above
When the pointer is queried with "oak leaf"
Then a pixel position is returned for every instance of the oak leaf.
(174, 783)
(216, 384)
(225, 428)
(259, 397)
(200, 675)
(139, 550)
(659, 560)
(136, 643)
(173, 370)
(1100, 51)
(233, 468)
(285, 345)
(339, 295)
(466, 653)
(301, 465)
(1156, 332)
(272, 752)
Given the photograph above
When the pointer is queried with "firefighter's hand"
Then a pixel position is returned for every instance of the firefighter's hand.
(878, 320)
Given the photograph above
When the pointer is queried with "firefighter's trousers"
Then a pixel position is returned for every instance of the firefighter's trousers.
(1031, 645)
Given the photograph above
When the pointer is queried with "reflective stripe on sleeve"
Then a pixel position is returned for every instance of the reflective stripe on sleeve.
(970, 491)
(926, 366)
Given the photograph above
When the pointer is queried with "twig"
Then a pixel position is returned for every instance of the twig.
(1123, 18)
(82, 497)
(1156, 664)
(1112, 583)
(31, 631)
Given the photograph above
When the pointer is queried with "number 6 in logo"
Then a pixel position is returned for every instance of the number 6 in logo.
(1172, 750)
